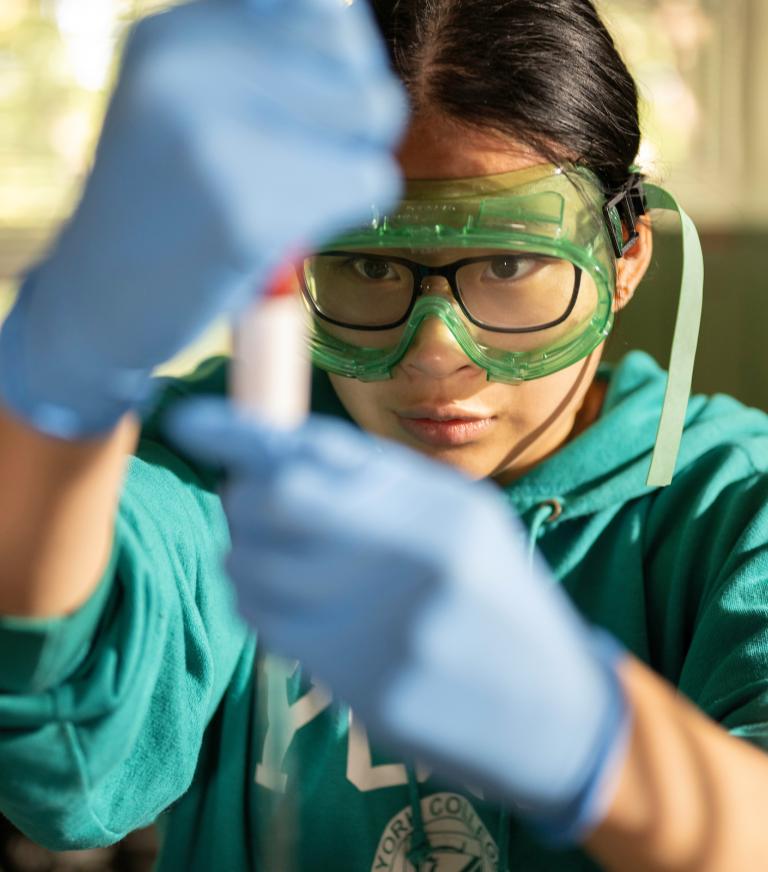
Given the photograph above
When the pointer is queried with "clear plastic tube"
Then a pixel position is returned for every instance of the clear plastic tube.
(270, 379)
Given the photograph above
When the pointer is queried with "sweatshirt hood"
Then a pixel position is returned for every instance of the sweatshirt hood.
(607, 464)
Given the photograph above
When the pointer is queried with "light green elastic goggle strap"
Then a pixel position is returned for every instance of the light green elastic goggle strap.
(684, 341)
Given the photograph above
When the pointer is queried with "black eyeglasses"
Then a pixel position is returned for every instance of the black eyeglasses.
(508, 292)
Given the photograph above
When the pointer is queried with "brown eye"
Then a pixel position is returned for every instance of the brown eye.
(504, 267)
(512, 267)
(376, 270)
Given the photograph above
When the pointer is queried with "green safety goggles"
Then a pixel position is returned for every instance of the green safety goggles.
(521, 269)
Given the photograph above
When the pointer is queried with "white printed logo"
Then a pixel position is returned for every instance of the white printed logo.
(458, 839)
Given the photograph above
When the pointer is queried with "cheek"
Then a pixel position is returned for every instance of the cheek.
(518, 408)
(366, 402)
(531, 404)
(554, 395)
(554, 402)
(522, 406)
(533, 418)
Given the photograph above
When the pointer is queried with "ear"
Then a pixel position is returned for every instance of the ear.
(631, 268)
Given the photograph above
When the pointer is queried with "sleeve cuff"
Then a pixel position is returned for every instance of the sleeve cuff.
(38, 654)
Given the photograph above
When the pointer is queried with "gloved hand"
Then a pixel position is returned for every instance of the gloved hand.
(237, 131)
(407, 590)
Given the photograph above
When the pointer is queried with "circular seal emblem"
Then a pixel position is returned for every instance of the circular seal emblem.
(459, 840)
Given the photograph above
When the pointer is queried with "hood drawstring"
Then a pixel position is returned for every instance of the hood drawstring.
(502, 840)
(546, 513)
(420, 847)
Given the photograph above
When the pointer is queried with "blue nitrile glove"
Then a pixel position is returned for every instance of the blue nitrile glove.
(407, 590)
(239, 129)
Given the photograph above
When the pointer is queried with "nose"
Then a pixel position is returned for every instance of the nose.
(434, 351)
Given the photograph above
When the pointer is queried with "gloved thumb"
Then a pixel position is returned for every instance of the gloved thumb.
(216, 432)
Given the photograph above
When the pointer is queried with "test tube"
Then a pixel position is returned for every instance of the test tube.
(270, 379)
(270, 368)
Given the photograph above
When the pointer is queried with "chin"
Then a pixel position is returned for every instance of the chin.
(463, 458)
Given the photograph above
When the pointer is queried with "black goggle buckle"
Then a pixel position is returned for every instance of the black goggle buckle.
(622, 211)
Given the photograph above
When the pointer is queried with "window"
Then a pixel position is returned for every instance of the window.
(702, 68)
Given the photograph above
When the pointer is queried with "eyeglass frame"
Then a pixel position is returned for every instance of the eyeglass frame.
(420, 272)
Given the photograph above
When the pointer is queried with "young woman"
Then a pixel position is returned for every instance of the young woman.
(145, 700)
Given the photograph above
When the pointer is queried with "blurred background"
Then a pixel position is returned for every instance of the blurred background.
(702, 67)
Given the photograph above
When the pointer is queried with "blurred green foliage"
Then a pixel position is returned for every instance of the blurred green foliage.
(37, 102)
(50, 116)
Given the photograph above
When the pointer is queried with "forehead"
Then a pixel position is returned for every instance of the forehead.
(437, 148)
(434, 256)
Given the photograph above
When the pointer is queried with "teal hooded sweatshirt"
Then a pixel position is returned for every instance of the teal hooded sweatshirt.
(149, 703)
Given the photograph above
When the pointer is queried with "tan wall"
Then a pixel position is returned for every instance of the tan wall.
(733, 346)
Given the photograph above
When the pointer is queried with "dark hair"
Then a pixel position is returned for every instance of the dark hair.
(544, 71)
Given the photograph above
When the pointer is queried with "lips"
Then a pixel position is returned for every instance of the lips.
(444, 427)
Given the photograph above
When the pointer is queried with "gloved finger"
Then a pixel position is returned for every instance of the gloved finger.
(339, 25)
(331, 103)
(343, 182)
(280, 75)
(367, 179)
(257, 6)
(344, 34)
(217, 433)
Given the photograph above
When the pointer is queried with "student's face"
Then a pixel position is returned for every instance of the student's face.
(438, 401)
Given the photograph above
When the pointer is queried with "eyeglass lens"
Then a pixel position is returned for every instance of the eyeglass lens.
(505, 291)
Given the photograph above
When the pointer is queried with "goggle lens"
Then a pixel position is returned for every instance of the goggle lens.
(505, 292)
